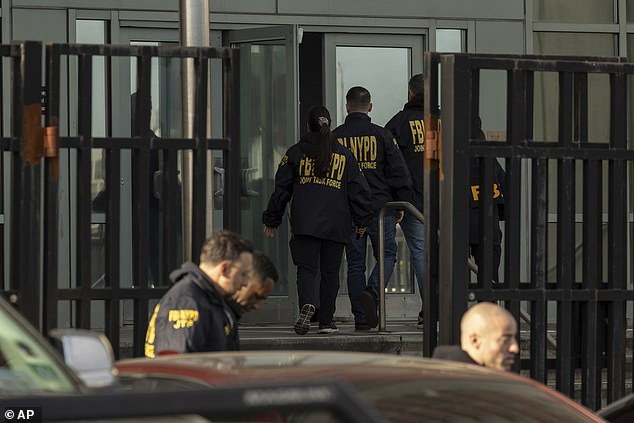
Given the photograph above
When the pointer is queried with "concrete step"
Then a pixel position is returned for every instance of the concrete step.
(400, 338)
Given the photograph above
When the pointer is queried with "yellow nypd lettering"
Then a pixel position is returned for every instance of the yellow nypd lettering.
(364, 149)
(183, 318)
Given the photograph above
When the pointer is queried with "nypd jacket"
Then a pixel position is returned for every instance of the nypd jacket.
(191, 317)
(321, 207)
(379, 158)
(408, 127)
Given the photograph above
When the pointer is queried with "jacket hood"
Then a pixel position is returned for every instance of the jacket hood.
(191, 271)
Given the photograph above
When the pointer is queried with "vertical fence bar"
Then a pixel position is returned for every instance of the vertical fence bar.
(113, 235)
(140, 200)
(431, 183)
(512, 186)
(170, 203)
(454, 273)
(539, 208)
(51, 195)
(231, 157)
(25, 231)
(83, 203)
(565, 237)
(617, 237)
(485, 216)
(199, 194)
(592, 251)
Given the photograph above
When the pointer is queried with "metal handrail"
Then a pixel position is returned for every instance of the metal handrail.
(393, 205)
(523, 315)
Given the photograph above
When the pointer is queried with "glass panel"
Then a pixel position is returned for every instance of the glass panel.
(451, 40)
(585, 11)
(95, 32)
(546, 105)
(630, 11)
(264, 123)
(383, 71)
(27, 368)
(358, 66)
(165, 121)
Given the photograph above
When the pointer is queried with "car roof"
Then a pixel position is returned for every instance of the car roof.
(375, 376)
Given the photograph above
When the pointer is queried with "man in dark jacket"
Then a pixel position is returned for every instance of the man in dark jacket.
(474, 213)
(385, 170)
(408, 127)
(193, 315)
(487, 338)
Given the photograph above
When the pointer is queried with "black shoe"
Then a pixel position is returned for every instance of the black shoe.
(328, 328)
(369, 308)
(420, 318)
(361, 327)
(302, 324)
(315, 317)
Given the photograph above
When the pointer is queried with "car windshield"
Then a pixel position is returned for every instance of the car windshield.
(26, 367)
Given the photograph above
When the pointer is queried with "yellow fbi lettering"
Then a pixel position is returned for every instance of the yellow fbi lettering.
(183, 318)
(418, 134)
(363, 148)
(475, 192)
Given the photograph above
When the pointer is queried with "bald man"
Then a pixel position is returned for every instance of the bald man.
(487, 338)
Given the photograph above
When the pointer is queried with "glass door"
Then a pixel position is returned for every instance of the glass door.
(269, 110)
(383, 64)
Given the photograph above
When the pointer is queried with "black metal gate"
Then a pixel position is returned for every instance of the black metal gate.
(33, 223)
(581, 312)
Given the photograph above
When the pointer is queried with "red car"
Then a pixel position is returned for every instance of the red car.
(398, 388)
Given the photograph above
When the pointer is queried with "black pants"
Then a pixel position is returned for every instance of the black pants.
(308, 252)
(497, 252)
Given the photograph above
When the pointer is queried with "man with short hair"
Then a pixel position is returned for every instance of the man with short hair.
(261, 282)
(387, 175)
(193, 315)
(408, 127)
(487, 337)
(262, 279)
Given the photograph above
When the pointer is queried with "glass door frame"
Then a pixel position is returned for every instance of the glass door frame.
(399, 306)
(279, 308)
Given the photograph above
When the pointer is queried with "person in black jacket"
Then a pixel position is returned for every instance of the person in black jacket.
(474, 213)
(488, 337)
(193, 315)
(388, 177)
(408, 127)
(328, 194)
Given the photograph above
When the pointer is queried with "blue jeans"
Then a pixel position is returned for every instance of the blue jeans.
(414, 232)
(355, 255)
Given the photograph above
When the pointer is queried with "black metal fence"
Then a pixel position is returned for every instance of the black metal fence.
(584, 311)
(34, 223)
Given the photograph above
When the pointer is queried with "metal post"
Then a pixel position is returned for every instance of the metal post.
(393, 205)
(194, 24)
(382, 269)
